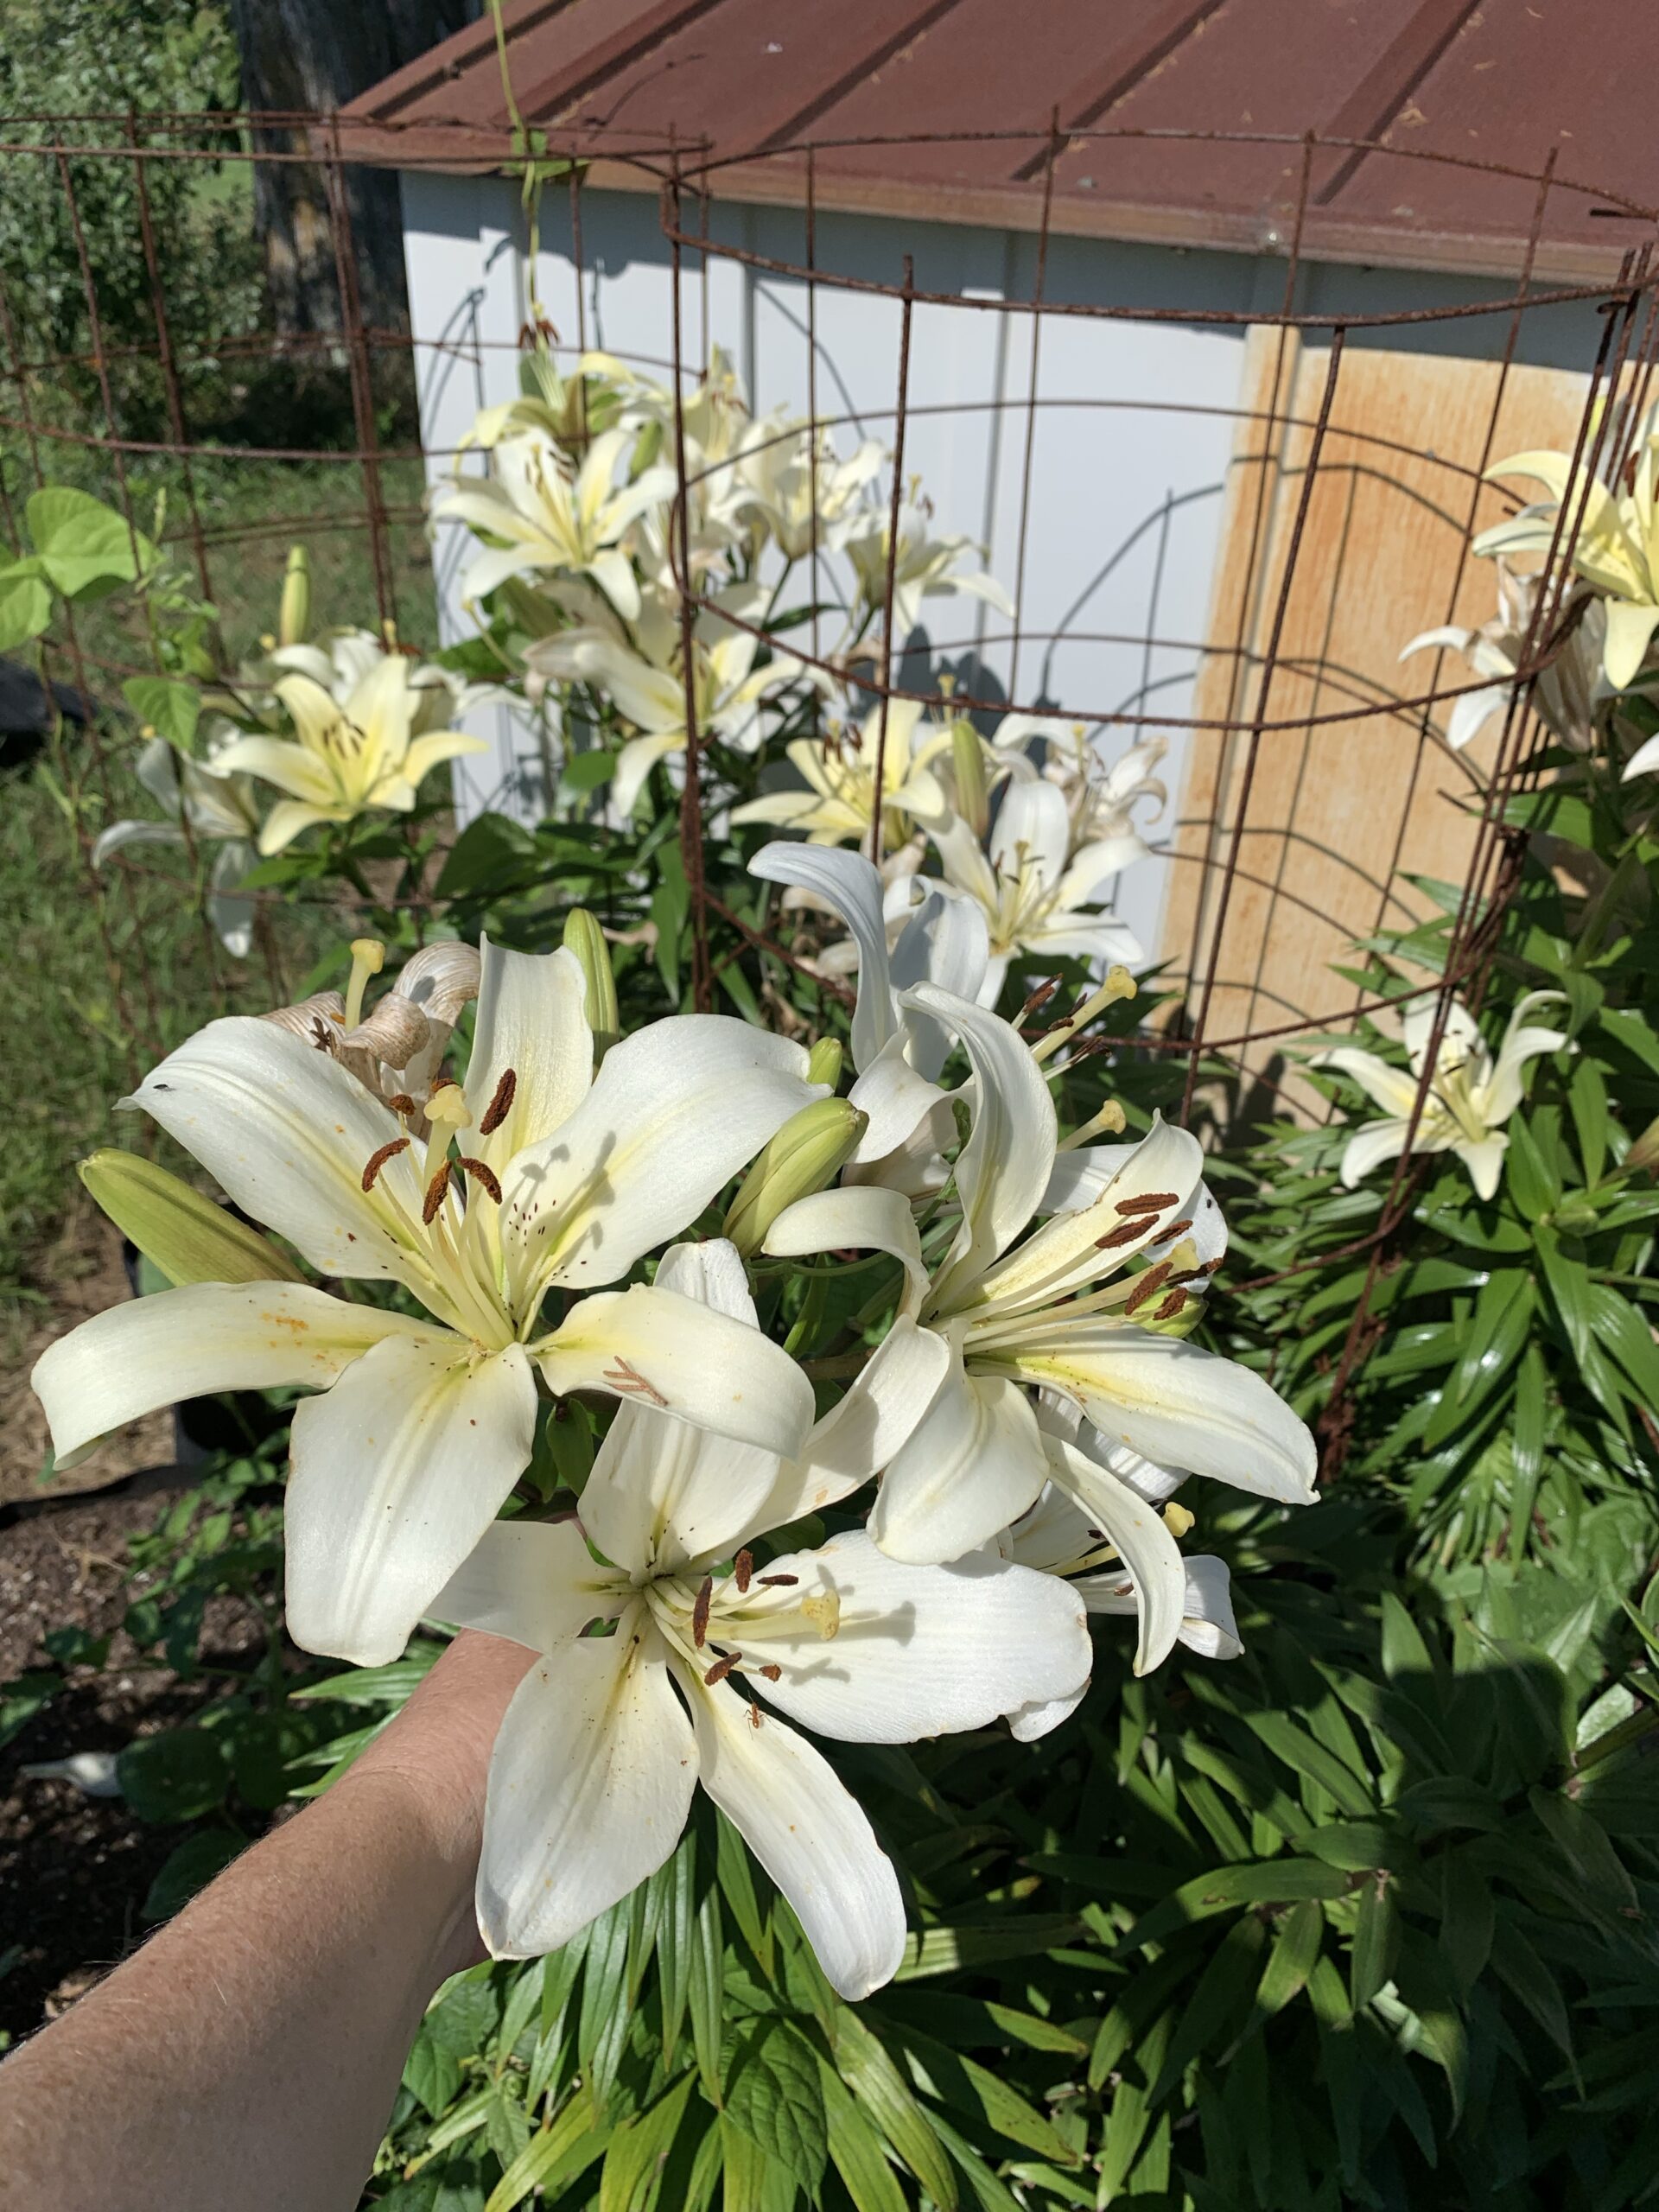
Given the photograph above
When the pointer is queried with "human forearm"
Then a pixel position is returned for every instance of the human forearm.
(249, 2055)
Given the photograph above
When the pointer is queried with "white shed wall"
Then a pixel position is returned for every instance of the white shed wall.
(1129, 450)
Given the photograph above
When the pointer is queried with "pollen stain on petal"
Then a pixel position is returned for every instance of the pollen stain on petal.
(295, 1323)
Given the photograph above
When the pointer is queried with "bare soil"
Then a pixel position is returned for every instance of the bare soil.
(81, 1275)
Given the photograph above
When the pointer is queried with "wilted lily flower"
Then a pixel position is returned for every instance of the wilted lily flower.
(219, 808)
(1036, 888)
(609, 1734)
(347, 759)
(536, 517)
(1471, 1094)
(1057, 1311)
(839, 771)
(539, 1175)
(1567, 692)
(1616, 550)
(397, 1051)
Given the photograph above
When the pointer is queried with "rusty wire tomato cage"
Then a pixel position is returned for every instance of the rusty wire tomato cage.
(692, 182)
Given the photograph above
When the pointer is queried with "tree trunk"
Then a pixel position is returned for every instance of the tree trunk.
(310, 57)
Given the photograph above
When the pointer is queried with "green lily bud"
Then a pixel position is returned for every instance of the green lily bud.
(294, 623)
(1643, 1154)
(806, 1155)
(583, 936)
(968, 760)
(188, 1237)
(823, 1062)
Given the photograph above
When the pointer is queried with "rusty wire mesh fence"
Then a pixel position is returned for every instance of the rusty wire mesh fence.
(1314, 775)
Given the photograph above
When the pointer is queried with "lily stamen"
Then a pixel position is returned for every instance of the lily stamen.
(501, 1105)
(378, 1160)
(700, 1611)
(722, 1667)
(482, 1175)
(1148, 1286)
(435, 1193)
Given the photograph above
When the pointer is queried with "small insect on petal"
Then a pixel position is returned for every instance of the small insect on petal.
(742, 1569)
(1149, 1202)
(435, 1191)
(501, 1105)
(755, 1716)
(722, 1667)
(699, 1610)
(378, 1160)
(1148, 1286)
(482, 1174)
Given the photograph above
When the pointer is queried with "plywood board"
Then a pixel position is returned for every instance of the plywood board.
(1338, 811)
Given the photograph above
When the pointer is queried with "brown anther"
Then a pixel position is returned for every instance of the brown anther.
(773, 1674)
(482, 1174)
(1125, 1233)
(500, 1106)
(755, 1716)
(1150, 1202)
(743, 1569)
(441, 1082)
(1176, 1228)
(1148, 1286)
(778, 1581)
(1039, 999)
(1171, 1306)
(699, 1610)
(435, 1191)
(1208, 1266)
(401, 1102)
(378, 1160)
(722, 1667)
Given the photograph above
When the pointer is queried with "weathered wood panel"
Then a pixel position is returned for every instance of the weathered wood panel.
(1338, 810)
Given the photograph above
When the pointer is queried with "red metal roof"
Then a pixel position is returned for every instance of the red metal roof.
(1180, 120)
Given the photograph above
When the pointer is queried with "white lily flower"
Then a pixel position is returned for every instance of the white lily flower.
(1055, 1312)
(839, 769)
(1035, 888)
(1471, 1094)
(347, 759)
(341, 660)
(731, 692)
(925, 567)
(1567, 692)
(1616, 550)
(1101, 801)
(546, 521)
(219, 808)
(563, 1180)
(788, 481)
(1056, 1537)
(897, 1049)
(607, 1739)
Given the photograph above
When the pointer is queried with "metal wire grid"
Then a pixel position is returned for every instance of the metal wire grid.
(688, 178)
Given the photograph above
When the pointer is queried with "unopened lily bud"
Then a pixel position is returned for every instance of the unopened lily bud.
(294, 623)
(806, 1155)
(968, 761)
(186, 1235)
(1643, 1155)
(583, 936)
(823, 1062)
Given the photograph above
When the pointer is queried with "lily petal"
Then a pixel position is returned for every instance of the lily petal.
(209, 1337)
(531, 1019)
(533, 1582)
(1177, 1404)
(918, 1650)
(398, 1472)
(681, 1357)
(851, 885)
(859, 1217)
(809, 1833)
(1150, 1555)
(972, 1464)
(589, 1788)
